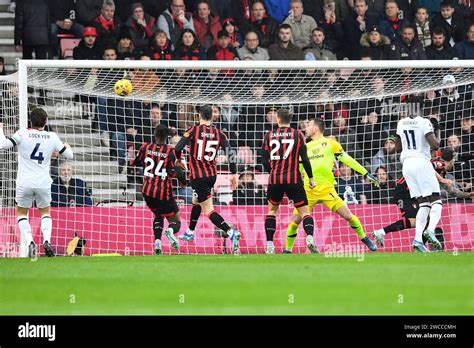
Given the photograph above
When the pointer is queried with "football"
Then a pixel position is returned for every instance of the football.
(123, 88)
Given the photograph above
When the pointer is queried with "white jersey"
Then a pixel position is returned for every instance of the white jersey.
(35, 148)
(412, 133)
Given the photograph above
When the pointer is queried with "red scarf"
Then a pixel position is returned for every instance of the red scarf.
(178, 23)
(106, 24)
(263, 23)
(394, 23)
(246, 10)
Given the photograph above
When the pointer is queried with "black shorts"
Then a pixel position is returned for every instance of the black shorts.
(202, 188)
(159, 207)
(408, 208)
(294, 192)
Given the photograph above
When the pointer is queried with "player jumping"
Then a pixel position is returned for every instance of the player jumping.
(417, 136)
(33, 182)
(409, 207)
(282, 149)
(321, 152)
(158, 160)
(204, 141)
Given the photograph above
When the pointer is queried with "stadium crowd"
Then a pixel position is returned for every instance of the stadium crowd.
(269, 30)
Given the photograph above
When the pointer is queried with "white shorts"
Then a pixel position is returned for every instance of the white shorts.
(420, 177)
(26, 195)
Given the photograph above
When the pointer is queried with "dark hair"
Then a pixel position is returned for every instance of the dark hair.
(319, 123)
(318, 29)
(284, 116)
(408, 26)
(38, 118)
(447, 3)
(162, 132)
(438, 31)
(285, 26)
(447, 155)
(381, 167)
(180, 45)
(205, 112)
(106, 48)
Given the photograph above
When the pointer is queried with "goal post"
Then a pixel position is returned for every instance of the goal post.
(360, 102)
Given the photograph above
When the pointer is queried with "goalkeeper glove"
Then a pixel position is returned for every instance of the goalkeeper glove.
(373, 179)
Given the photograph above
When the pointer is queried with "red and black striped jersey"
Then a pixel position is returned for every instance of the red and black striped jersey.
(283, 146)
(204, 141)
(158, 161)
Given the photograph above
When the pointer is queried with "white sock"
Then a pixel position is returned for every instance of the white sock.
(421, 220)
(190, 231)
(435, 214)
(269, 243)
(25, 229)
(46, 227)
(381, 231)
(230, 233)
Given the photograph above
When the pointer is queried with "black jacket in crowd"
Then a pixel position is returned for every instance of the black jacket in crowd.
(83, 52)
(87, 11)
(434, 54)
(32, 23)
(62, 9)
(456, 30)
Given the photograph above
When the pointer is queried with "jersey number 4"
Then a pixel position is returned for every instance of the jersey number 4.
(36, 155)
(275, 145)
(159, 170)
(413, 142)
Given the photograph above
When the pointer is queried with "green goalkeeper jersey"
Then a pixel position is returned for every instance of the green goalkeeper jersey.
(322, 153)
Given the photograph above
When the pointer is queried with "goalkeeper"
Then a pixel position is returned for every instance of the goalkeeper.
(322, 152)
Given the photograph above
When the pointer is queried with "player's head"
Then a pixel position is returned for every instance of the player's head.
(38, 118)
(315, 126)
(448, 156)
(205, 113)
(284, 116)
(162, 133)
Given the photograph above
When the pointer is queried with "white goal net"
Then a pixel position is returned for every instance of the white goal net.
(97, 195)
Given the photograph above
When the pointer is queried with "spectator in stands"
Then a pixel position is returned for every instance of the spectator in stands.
(376, 9)
(284, 48)
(160, 47)
(67, 191)
(125, 46)
(206, 25)
(467, 134)
(63, 21)
(300, 24)
(369, 133)
(146, 121)
(141, 26)
(252, 50)
(349, 187)
(451, 22)
(407, 10)
(188, 47)
(107, 24)
(226, 117)
(32, 28)
(248, 192)
(356, 24)
(422, 26)
(382, 195)
(388, 157)
(333, 28)
(146, 81)
(408, 47)
(88, 48)
(236, 38)
(463, 169)
(318, 46)
(465, 49)
(263, 24)
(174, 20)
(392, 24)
(223, 50)
(2, 66)
(87, 11)
(239, 10)
(439, 48)
(375, 45)
(433, 6)
(346, 135)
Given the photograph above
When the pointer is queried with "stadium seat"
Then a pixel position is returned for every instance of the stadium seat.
(67, 43)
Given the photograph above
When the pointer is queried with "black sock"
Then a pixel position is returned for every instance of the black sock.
(158, 227)
(396, 226)
(308, 225)
(195, 213)
(270, 227)
(175, 226)
(218, 220)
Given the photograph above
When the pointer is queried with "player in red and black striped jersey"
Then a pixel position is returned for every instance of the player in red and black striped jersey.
(158, 161)
(204, 141)
(282, 149)
(409, 206)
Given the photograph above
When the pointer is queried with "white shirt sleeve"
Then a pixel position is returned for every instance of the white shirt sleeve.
(428, 127)
(8, 143)
(63, 150)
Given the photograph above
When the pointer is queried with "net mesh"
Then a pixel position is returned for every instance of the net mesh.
(361, 108)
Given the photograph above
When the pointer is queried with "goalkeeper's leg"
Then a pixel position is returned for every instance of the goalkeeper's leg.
(356, 225)
(292, 232)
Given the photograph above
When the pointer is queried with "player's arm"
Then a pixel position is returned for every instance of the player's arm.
(183, 142)
(7, 143)
(138, 161)
(431, 139)
(307, 164)
(180, 174)
(266, 155)
(63, 149)
(453, 191)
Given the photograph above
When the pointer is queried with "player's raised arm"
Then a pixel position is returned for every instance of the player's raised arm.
(184, 141)
(349, 161)
(7, 143)
(63, 149)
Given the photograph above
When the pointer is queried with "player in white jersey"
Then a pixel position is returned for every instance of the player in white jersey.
(417, 139)
(33, 181)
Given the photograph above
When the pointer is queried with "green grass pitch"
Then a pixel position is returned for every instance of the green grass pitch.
(382, 284)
